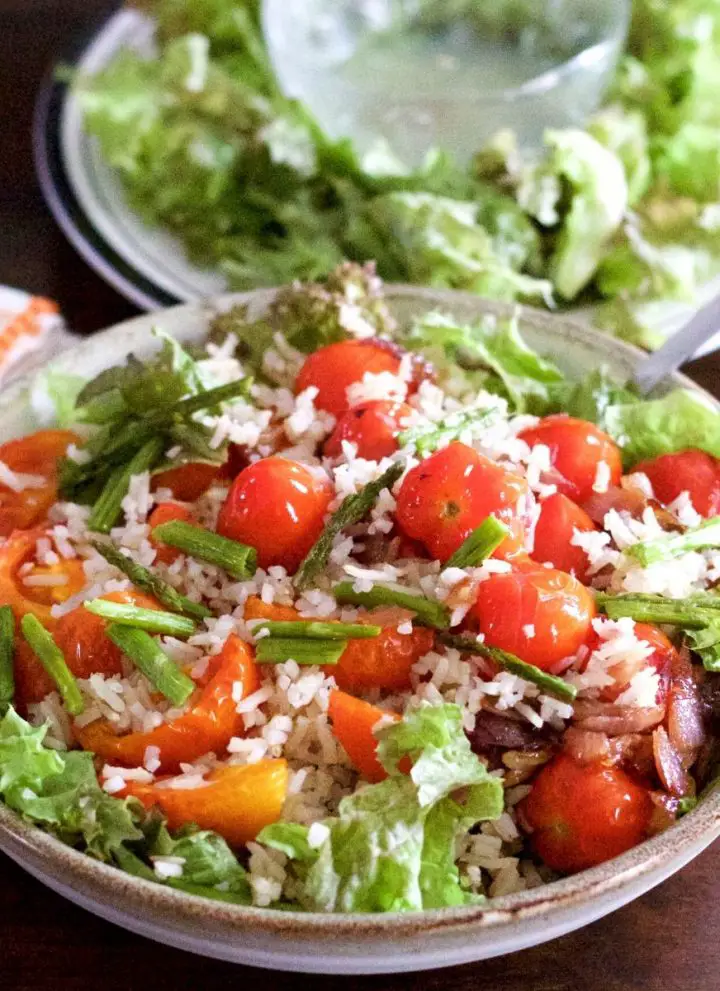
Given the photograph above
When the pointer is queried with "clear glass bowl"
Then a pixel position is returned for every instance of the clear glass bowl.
(445, 73)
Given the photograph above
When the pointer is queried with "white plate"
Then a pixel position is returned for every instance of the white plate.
(157, 256)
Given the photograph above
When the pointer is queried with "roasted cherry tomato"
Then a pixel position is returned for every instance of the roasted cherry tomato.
(577, 448)
(69, 575)
(278, 507)
(334, 368)
(663, 659)
(691, 471)
(542, 615)
(444, 498)
(187, 482)
(584, 814)
(559, 518)
(20, 549)
(164, 512)
(235, 801)
(207, 726)
(383, 662)
(81, 637)
(38, 455)
(372, 426)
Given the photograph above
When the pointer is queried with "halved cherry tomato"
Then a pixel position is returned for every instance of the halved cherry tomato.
(559, 518)
(383, 662)
(277, 506)
(38, 454)
(691, 471)
(164, 512)
(576, 449)
(206, 727)
(444, 498)
(372, 426)
(541, 615)
(70, 573)
(187, 482)
(334, 368)
(81, 637)
(353, 722)
(236, 801)
(584, 814)
(255, 608)
(18, 549)
(663, 659)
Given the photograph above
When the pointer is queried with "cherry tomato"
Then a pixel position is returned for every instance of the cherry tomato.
(38, 454)
(691, 471)
(164, 512)
(334, 368)
(372, 426)
(444, 498)
(278, 507)
(663, 659)
(187, 482)
(576, 449)
(584, 814)
(541, 615)
(383, 662)
(81, 637)
(559, 518)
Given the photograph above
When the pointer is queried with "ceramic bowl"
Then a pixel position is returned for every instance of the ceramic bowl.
(351, 944)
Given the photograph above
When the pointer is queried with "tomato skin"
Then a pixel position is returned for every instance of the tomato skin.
(36, 454)
(444, 498)
(334, 368)
(206, 726)
(691, 471)
(80, 635)
(278, 507)
(558, 608)
(236, 801)
(353, 722)
(576, 449)
(372, 426)
(559, 518)
(165, 512)
(383, 662)
(584, 814)
(187, 482)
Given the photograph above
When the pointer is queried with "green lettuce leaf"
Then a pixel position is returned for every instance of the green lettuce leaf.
(591, 397)
(53, 397)
(598, 195)
(493, 355)
(391, 846)
(60, 791)
(625, 134)
(660, 426)
(439, 241)
(208, 861)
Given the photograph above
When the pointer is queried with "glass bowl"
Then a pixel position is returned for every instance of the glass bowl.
(417, 74)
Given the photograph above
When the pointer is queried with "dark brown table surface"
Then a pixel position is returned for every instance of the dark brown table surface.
(667, 940)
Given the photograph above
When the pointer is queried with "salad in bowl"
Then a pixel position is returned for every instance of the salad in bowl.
(339, 614)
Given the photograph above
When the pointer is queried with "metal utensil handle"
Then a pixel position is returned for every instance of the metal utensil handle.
(680, 347)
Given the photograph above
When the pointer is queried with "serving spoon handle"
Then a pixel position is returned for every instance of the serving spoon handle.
(679, 348)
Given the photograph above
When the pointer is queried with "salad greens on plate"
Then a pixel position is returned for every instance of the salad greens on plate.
(624, 215)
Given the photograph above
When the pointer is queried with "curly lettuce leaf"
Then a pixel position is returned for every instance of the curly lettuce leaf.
(493, 355)
(391, 846)
(625, 134)
(660, 426)
(426, 238)
(595, 181)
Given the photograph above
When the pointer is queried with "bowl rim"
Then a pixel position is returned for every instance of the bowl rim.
(680, 842)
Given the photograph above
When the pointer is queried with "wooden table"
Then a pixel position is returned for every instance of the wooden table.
(665, 941)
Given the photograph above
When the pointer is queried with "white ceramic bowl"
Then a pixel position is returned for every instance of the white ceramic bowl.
(351, 944)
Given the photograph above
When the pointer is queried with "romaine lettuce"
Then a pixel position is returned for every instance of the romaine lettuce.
(391, 846)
